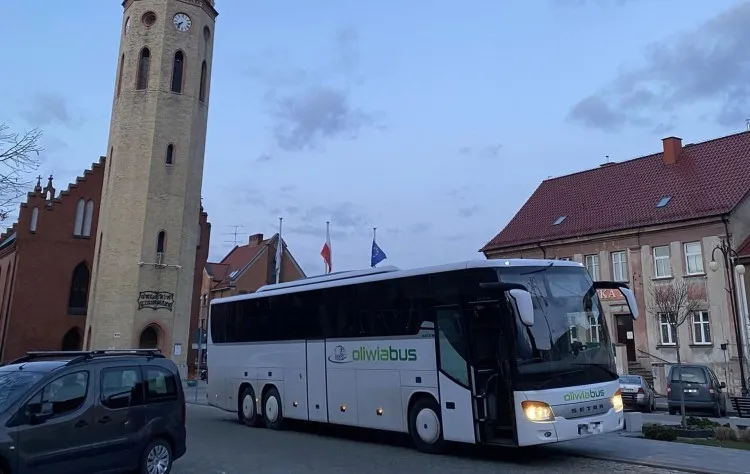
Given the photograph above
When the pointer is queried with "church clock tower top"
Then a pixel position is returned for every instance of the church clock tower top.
(207, 5)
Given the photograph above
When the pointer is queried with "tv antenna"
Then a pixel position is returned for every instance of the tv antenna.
(236, 234)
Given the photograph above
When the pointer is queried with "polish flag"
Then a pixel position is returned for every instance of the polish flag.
(326, 251)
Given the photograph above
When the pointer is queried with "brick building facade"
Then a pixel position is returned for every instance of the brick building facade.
(46, 259)
(650, 221)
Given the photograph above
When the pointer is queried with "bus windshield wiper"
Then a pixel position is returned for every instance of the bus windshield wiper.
(603, 367)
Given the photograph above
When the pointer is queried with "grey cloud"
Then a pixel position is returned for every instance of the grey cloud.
(708, 65)
(305, 118)
(288, 188)
(50, 108)
(488, 151)
(467, 212)
(419, 227)
(305, 106)
(264, 157)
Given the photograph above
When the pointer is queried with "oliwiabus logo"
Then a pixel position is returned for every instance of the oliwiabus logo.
(339, 356)
(583, 395)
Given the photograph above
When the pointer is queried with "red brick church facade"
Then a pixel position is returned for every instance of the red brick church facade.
(46, 259)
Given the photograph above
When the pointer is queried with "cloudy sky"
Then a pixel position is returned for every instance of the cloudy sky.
(430, 120)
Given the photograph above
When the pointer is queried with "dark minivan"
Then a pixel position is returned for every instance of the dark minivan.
(701, 387)
(91, 412)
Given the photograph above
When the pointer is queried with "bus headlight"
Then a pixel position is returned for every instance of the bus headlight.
(617, 400)
(537, 411)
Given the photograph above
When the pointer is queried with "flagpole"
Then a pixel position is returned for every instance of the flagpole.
(374, 235)
(279, 247)
(327, 269)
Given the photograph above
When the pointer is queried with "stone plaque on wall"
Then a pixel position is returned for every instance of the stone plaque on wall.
(155, 300)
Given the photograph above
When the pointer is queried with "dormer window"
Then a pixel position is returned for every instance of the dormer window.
(559, 220)
(664, 201)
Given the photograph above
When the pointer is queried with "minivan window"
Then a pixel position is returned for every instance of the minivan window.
(689, 374)
(13, 384)
(161, 385)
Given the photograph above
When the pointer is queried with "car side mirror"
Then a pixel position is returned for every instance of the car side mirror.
(722, 385)
(626, 292)
(525, 305)
(39, 412)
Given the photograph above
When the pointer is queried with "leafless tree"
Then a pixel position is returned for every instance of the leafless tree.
(19, 156)
(675, 303)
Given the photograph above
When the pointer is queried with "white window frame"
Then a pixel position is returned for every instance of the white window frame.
(697, 259)
(594, 328)
(657, 259)
(703, 322)
(671, 332)
(623, 266)
(592, 265)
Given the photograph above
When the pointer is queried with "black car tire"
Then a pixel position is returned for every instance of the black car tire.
(272, 397)
(649, 407)
(717, 410)
(159, 448)
(672, 411)
(254, 419)
(430, 407)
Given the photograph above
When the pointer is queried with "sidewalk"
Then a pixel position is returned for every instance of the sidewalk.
(620, 447)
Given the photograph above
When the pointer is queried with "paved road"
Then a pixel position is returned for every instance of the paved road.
(217, 444)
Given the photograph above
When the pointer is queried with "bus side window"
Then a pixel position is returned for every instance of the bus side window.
(452, 343)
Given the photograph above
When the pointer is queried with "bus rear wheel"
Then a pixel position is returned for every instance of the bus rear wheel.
(273, 415)
(246, 411)
(426, 427)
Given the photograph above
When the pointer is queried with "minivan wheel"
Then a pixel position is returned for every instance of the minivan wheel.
(157, 458)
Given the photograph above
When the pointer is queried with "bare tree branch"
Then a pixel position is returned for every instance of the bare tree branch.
(676, 302)
(19, 156)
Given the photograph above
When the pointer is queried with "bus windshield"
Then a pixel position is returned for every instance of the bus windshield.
(569, 342)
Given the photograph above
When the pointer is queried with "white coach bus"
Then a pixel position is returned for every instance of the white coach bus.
(502, 352)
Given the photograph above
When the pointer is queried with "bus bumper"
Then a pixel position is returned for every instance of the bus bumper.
(533, 433)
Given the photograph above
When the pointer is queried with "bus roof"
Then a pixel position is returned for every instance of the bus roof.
(384, 273)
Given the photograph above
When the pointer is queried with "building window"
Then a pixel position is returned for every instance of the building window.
(88, 217)
(701, 328)
(592, 265)
(202, 90)
(119, 74)
(78, 224)
(594, 328)
(619, 266)
(79, 289)
(34, 219)
(667, 334)
(178, 69)
(160, 244)
(693, 258)
(566, 259)
(662, 267)
(144, 63)
(170, 155)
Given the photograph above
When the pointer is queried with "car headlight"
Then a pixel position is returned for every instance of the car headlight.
(537, 411)
(617, 400)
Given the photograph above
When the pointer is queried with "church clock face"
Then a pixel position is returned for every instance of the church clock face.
(182, 22)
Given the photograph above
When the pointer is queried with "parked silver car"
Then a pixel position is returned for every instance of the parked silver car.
(637, 394)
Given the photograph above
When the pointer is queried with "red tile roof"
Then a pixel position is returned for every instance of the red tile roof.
(709, 179)
(744, 249)
(237, 259)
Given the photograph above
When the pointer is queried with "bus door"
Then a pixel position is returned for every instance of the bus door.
(454, 383)
(490, 359)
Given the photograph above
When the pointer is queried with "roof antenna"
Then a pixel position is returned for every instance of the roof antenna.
(747, 124)
(606, 158)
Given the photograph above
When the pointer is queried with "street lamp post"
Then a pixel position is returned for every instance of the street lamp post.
(729, 255)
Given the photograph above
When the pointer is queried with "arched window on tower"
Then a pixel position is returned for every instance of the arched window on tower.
(34, 219)
(119, 74)
(144, 64)
(160, 246)
(78, 224)
(178, 70)
(79, 289)
(170, 155)
(88, 217)
(202, 91)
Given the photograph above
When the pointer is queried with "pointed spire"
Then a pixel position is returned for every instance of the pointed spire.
(49, 191)
(38, 187)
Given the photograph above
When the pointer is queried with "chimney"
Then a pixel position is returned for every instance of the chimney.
(255, 239)
(672, 149)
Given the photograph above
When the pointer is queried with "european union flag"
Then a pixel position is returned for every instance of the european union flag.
(377, 254)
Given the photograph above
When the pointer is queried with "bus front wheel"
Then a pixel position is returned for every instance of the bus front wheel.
(425, 426)
(272, 413)
(246, 410)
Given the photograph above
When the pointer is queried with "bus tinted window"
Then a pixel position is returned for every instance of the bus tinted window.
(386, 308)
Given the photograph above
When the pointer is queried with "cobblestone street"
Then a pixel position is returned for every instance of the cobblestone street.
(217, 444)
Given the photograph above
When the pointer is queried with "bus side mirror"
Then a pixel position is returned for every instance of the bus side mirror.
(525, 305)
(630, 299)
